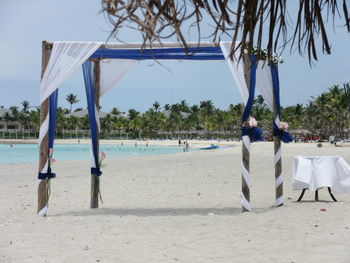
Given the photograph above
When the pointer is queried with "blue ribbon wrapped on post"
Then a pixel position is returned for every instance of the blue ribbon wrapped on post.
(254, 133)
(52, 125)
(96, 171)
(90, 95)
(284, 135)
(49, 174)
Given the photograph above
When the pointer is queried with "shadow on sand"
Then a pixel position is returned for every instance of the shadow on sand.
(147, 212)
(313, 201)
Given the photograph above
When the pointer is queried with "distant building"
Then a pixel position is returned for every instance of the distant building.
(167, 113)
(83, 113)
(6, 124)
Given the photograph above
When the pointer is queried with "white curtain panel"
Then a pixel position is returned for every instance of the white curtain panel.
(264, 83)
(263, 76)
(65, 58)
(113, 70)
(236, 68)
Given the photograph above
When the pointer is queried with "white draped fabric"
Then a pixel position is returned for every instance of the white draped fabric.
(264, 83)
(65, 58)
(113, 70)
(236, 68)
(263, 76)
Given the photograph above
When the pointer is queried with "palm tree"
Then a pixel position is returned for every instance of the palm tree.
(149, 121)
(235, 112)
(34, 120)
(15, 115)
(107, 123)
(14, 112)
(260, 23)
(119, 124)
(346, 89)
(25, 105)
(175, 120)
(73, 123)
(156, 106)
(261, 112)
(184, 106)
(294, 115)
(194, 117)
(206, 112)
(339, 104)
(135, 125)
(60, 121)
(167, 107)
(133, 114)
(116, 112)
(72, 99)
(220, 120)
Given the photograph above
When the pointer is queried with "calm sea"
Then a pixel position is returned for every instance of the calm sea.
(20, 153)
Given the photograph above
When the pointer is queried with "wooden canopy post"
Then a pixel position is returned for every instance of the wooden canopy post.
(44, 151)
(277, 159)
(246, 145)
(95, 179)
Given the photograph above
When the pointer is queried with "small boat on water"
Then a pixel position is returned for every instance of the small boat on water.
(213, 147)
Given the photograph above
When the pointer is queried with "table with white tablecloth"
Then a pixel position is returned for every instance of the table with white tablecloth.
(315, 172)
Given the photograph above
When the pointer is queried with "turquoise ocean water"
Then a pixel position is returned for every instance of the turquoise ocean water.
(20, 153)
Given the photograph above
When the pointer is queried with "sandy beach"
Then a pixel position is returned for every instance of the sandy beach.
(173, 208)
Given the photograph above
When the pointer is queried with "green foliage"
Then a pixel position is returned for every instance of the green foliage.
(72, 99)
(325, 115)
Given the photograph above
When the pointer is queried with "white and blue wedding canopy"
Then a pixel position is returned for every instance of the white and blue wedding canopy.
(114, 61)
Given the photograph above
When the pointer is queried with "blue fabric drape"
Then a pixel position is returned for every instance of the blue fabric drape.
(48, 175)
(51, 132)
(254, 133)
(90, 96)
(196, 53)
(284, 135)
(53, 116)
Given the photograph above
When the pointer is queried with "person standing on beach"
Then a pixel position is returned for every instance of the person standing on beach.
(186, 146)
(179, 142)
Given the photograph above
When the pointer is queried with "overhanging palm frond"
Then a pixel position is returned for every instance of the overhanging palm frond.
(246, 20)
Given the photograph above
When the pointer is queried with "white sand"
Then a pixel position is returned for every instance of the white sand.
(173, 208)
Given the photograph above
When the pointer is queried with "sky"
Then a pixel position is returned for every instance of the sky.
(24, 24)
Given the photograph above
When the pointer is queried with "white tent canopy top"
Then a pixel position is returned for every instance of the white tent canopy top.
(67, 56)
